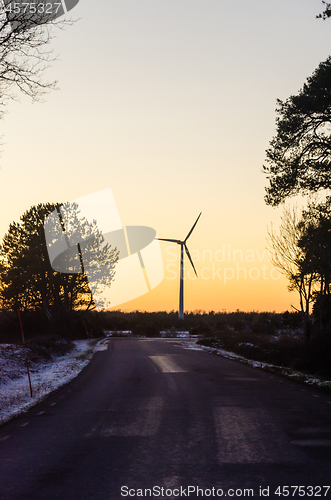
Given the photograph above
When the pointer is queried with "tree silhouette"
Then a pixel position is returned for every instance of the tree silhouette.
(293, 260)
(299, 157)
(316, 241)
(326, 12)
(28, 280)
(301, 250)
(25, 35)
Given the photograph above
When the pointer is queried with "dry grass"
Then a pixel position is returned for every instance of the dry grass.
(281, 348)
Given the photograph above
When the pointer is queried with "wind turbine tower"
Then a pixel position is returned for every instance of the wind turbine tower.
(183, 246)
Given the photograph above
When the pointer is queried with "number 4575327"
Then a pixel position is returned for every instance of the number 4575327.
(302, 491)
(33, 7)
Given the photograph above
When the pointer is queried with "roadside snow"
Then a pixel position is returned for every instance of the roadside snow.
(47, 376)
(287, 372)
(15, 395)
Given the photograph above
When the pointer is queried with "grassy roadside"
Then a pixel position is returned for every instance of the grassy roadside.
(286, 349)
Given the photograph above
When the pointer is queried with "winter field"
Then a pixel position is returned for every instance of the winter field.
(46, 376)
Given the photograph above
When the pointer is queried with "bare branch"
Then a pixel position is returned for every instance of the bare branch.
(25, 52)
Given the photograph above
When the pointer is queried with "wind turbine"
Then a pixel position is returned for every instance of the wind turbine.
(181, 283)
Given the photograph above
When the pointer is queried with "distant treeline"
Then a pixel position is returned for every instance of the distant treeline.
(95, 324)
(199, 322)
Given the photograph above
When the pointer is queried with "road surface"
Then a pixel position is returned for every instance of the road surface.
(150, 414)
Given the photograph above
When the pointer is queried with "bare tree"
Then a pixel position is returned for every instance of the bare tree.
(25, 34)
(294, 261)
(326, 12)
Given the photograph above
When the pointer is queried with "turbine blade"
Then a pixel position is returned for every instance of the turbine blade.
(165, 239)
(189, 234)
(189, 256)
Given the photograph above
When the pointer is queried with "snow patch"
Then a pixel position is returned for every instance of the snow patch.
(302, 377)
(45, 376)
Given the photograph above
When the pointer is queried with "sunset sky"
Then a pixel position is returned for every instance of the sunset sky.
(171, 104)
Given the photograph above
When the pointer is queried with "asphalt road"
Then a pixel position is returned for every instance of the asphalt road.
(150, 413)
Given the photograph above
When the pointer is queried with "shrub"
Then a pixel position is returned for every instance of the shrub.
(146, 328)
